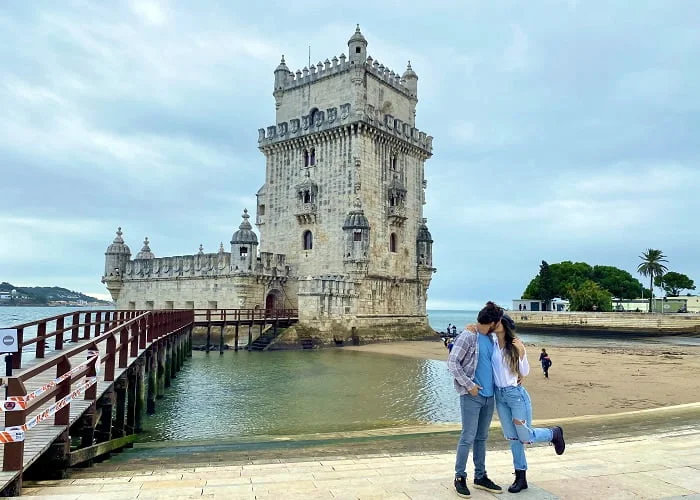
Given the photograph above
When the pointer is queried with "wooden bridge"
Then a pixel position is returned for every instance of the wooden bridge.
(81, 382)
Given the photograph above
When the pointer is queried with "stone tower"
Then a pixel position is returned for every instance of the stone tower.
(344, 192)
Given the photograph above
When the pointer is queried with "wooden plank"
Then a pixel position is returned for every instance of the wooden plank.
(85, 454)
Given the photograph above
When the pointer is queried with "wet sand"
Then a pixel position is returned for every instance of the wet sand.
(592, 381)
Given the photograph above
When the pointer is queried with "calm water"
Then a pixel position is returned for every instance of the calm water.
(299, 392)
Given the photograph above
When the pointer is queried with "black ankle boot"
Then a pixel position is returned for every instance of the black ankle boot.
(520, 482)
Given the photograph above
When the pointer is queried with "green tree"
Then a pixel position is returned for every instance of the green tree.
(588, 295)
(546, 283)
(674, 283)
(618, 282)
(651, 266)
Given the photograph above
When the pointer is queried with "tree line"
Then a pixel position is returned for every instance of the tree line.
(591, 288)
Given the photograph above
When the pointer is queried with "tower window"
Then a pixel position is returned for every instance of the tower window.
(308, 240)
(392, 243)
(357, 50)
(357, 235)
(393, 163)
(312, 157)
(261, 210)
(306, 158)
(244, 252)
(307, 196)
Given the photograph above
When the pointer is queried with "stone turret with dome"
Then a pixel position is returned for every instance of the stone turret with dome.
(244, 246)
(145, 253)
(116, 256)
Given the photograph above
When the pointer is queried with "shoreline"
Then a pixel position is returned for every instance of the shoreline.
(590, 381)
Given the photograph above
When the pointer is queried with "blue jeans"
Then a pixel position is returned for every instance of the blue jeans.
(513, 404)
(477, 412)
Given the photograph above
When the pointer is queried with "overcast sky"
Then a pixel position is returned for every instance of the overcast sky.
(564, 130)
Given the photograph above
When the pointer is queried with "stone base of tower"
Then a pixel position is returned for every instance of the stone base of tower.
(354, 331)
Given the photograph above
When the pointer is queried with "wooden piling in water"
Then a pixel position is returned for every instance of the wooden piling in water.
(152, 362)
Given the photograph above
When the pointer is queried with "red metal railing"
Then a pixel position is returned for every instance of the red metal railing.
(121, 341)
(82, 325)
(234, 315)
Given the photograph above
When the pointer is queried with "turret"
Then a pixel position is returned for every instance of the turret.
(357, 47)
(244, 246)
(410, 80)
(281, 75)
(356, 234)
(116, 257)
(145, 253)
(424, 245)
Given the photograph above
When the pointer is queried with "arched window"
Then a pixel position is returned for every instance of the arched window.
(357, 235)
(312, 157)
(392, 162)
(244, 252)
(308, 240)
(307, 196)
(392, 243)
(306, 158)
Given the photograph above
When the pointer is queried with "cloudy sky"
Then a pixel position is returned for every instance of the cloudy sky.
(564, 130)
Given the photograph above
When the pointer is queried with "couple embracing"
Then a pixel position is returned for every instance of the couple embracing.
(487, 363)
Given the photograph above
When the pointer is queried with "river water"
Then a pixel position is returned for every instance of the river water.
(301, 392)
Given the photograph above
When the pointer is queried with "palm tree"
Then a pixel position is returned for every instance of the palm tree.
(652, 266)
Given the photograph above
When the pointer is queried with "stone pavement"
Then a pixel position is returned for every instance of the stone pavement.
(665, 464)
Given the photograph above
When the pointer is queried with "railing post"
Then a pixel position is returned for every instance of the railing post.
(143, 329)
(98, 323)
(58, 340)
(13, 456)
(74, 333)
(123, 346)
(41, 339)
(17, 356)
(86, 328)
(63, 415)
(91, 393)
(134, 343)
(110, 354)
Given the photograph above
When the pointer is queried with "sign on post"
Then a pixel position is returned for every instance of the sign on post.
(8, 340)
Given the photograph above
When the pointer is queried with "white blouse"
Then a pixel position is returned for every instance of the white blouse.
(502, 376)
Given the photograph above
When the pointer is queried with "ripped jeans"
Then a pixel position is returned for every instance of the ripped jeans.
(515, 414)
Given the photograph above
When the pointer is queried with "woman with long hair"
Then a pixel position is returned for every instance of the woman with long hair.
(513, 402)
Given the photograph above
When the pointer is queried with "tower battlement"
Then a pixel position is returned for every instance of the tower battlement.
(338, 65)
(333, 118)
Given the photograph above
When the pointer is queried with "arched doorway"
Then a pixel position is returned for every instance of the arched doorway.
(273, 300)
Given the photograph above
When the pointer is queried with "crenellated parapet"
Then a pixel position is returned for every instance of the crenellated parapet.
(203, 265)
(307, 124)
(398, 128)
(331, 118)
(340, 65)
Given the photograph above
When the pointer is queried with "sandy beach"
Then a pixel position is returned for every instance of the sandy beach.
(592, 381)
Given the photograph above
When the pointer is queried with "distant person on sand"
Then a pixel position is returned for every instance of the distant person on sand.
(546, 362)
(513, 402)
(469, 363)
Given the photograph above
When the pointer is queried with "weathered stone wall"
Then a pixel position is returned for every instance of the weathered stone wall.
(226, 292)
(613, 322)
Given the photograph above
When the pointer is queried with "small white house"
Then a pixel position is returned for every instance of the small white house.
(556, 305)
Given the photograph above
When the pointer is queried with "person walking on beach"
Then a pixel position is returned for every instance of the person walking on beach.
(513, 402)
(469, 362)
(546, 362)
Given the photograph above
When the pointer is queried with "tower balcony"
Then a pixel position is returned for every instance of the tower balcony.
(306, 213)
(396, 215)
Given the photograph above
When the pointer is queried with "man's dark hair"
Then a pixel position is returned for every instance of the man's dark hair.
(491, 313)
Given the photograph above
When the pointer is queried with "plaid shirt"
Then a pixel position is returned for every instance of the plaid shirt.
(463, 359)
